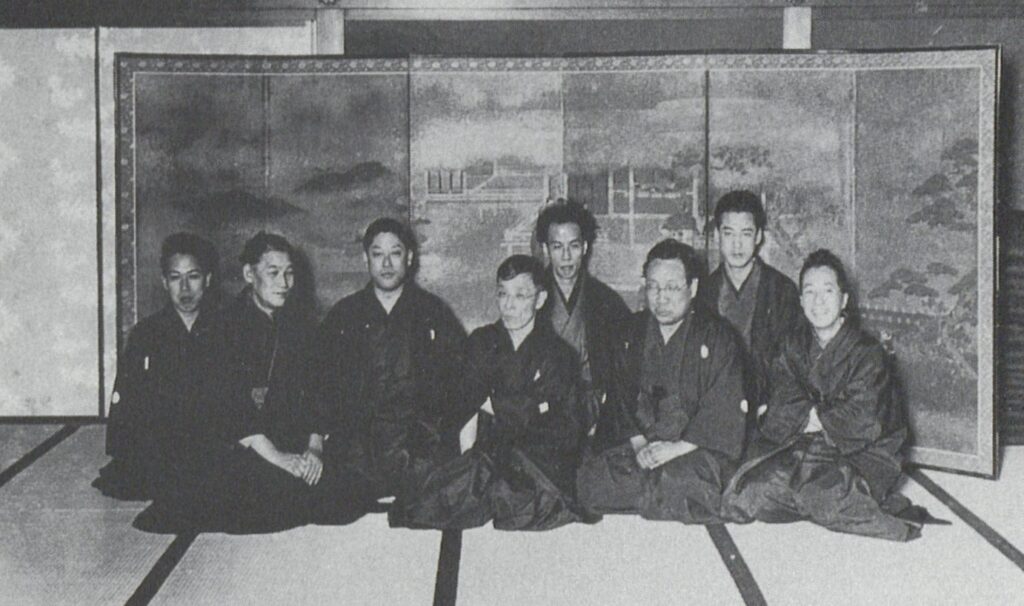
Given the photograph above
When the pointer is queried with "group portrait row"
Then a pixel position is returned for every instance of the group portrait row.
(738, 396)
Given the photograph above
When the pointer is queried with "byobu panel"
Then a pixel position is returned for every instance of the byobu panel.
(917, 241)
(485, 156)
(313, 149)
(634, 154)
(786, 135)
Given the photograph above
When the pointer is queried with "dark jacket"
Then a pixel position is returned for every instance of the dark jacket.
(711, 369)
(777, 312)
(383, 382)
(254, 352)
(852, 386)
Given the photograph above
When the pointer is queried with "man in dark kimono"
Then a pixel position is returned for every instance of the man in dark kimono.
(255, 456)
(685, 420)
(829, 445)
(585, 312)
(158, 374)
(760, 302)
(518, 393)
(385, 360)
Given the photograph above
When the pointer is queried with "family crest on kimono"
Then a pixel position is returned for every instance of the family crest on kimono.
(760, 302)
(829, 444)
(385, 361)
(681, 420)
(253, 456)
(158, 375)
(517, 405)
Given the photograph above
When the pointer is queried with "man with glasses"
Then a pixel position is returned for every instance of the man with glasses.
(517, 403)
(683, 420)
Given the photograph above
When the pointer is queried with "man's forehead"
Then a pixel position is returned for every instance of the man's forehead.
(667, 269)
(386, 239)
(564, 232)
(276, 258)
(522, 282)
(738, 220)
(183, 263)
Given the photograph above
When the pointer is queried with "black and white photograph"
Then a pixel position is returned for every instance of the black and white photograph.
(514, 302)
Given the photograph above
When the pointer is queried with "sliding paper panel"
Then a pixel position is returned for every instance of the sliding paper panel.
(634, 155)
(49, 361)
(485, 156)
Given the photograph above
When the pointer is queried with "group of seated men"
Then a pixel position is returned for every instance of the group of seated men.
(729, 398)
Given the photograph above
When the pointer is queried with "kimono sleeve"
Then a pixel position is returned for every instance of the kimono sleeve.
(474, 380)
(790, 403)
(450, 349)
(719, 423)
(128, 392)
(552, 405)
(852, 416)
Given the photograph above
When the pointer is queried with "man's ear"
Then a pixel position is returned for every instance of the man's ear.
(206, 281)
(846, 299)
(409, 257)
(542, 297)
(759, 238)
(167, 285)
(586, 247)
(248, 274)
(693, 287)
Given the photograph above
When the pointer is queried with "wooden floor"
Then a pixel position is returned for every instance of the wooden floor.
(64, 543)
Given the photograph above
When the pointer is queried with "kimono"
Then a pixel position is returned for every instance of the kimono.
(777, 312)
(841, 477)
(594, 325)
(157, 386)
(700, 399)
(521, 469)
(381, 388)
(257, 388)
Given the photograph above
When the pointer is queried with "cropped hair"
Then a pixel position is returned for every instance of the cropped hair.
(262, 243)
(826, 258)
(567, 211)
(741, 201)
(185, 243)
(522, 264)
(674, 249)
(389, 225)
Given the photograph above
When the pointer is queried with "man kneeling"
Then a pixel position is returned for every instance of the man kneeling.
(519, 392)
(683, 413)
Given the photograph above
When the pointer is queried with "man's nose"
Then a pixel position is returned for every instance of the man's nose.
(566, 254)
(387, 261)
(186, 286)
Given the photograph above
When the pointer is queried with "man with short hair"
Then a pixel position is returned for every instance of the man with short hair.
(253, 455)
(581, 309)
(681, 364)
(760, 302)
(158, 373)
(517, 402)
(384, 363)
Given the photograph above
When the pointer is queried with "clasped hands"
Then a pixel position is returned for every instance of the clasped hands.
(308, 466)
(651, 455)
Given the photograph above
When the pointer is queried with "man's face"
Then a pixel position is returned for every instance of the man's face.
(566, 248)
(518, 301)
(387, 260)
(185, 283)
(738, 239)
(272, 278)
(668, 294)
(822, 299)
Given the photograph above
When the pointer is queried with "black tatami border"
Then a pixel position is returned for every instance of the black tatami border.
(734, 561)
(36, 453)
(987, 532)
(160, 571)
(446, 584)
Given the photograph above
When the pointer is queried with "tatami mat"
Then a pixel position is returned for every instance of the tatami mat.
(16, 440)
(62, 478)
(363, 563)
(621, 560)
(803, 564)
(63, 542)
(999, 502)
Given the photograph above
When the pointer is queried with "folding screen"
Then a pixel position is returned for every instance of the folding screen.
(886, 158)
